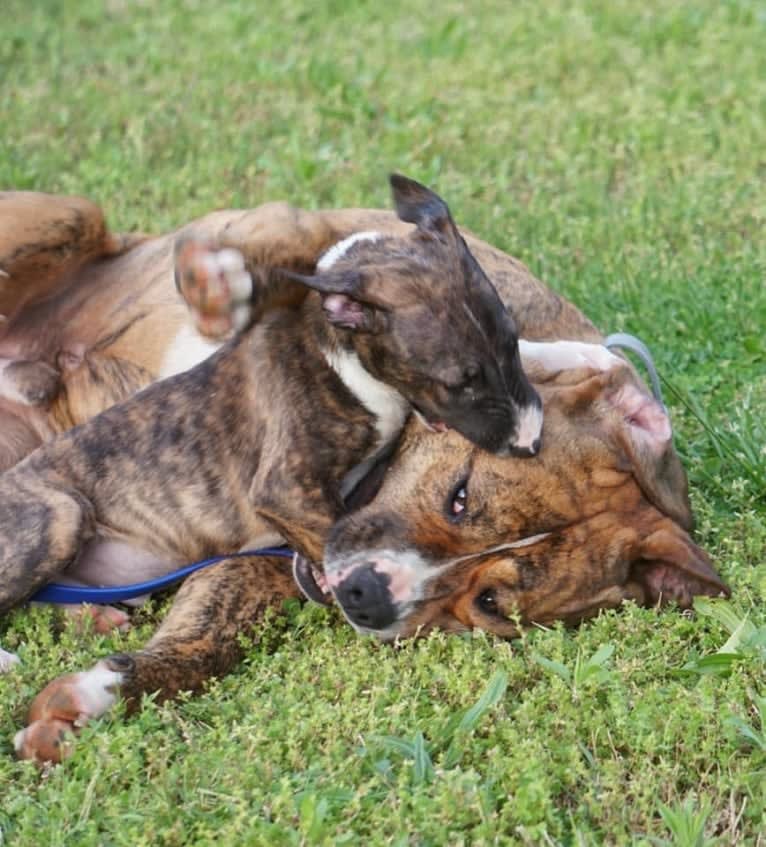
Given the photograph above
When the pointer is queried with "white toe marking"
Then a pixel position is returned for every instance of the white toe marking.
(230, 260)
(7, 660)
(240, 316)
(18, 740)
(240, 285)
(98, 688)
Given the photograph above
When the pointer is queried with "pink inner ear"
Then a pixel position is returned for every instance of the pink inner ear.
(343, 311)
(643, 413)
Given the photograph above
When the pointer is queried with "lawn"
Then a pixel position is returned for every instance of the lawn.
(618, 149)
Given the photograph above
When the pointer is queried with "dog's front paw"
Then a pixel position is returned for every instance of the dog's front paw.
(215, 285)
(567, 355)
(62, 708)
(45, 741)
(103, 619)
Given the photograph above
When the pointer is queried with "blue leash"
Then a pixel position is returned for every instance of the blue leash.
(57, 593)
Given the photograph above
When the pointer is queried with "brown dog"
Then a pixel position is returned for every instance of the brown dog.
(599, 517)
(199, 636)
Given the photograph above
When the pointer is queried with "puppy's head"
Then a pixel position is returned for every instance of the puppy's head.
(422, 317)
(457, 538)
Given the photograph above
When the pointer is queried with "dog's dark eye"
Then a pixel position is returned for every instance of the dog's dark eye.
(463, 381)
(458, 501)
(471, 374)
(487, 602)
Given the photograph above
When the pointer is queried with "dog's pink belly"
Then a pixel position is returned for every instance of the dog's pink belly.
(105, 563)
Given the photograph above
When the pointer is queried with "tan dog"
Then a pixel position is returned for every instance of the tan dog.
(580, 467)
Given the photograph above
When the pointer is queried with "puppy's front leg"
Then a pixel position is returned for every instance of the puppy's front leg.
(197, 640)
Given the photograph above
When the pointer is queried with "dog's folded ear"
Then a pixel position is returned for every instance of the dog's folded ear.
(342, 296)
(646, 438)
(416, 204)
(635, 424)
(670, 567)
(348, 282)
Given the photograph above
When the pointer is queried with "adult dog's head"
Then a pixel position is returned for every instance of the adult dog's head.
(457, 538)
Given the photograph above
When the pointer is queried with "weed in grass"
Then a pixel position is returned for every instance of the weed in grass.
(448, 739)
(592, 670)
(750, 734)
(686, 824)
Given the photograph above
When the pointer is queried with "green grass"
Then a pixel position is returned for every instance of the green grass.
(617, 148)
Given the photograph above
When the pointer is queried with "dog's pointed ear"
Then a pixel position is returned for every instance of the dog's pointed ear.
(342, 296)
(416, 204)
(672, 568)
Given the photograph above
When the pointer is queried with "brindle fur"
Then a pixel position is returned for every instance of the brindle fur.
(616, 520)
(103, 323)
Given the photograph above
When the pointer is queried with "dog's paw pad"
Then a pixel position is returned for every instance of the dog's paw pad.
(215, 285)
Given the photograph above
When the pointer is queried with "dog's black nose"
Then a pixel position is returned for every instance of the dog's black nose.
(366, 599)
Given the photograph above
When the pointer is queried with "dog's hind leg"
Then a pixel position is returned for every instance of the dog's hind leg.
(41, 530)
(43, 525)
(44, 238)
(197, 640)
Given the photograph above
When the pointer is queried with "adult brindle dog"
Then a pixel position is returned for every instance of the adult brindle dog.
(93, 333)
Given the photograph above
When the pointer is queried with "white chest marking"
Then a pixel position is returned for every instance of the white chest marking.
(186, 350)
(385, 403)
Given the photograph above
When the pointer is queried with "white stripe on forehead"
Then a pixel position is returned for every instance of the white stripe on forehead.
(337, 251)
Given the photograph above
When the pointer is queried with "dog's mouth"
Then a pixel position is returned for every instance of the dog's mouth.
(311, 581)
(434, 426)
